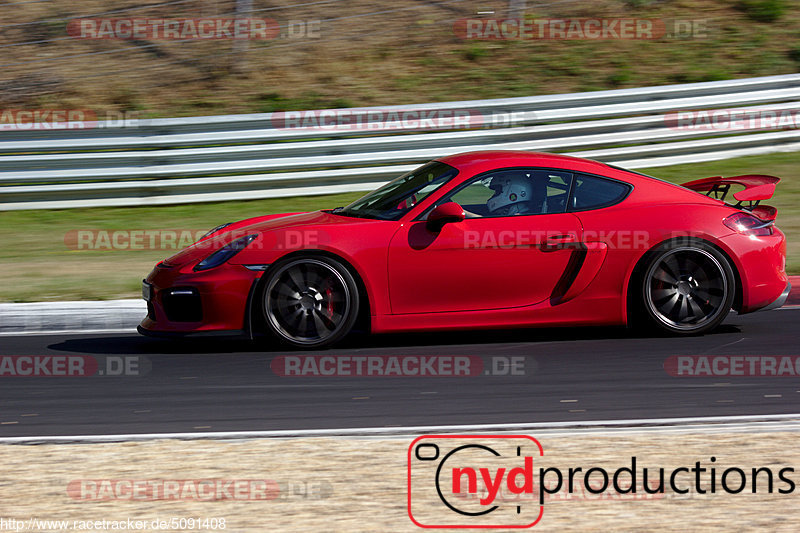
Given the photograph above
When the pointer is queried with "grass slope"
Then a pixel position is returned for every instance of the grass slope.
(370, 54)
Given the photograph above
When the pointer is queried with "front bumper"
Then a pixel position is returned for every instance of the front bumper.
(187, 303)
(192, 334)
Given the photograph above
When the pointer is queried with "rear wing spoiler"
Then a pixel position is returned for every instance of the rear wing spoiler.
(757, 187)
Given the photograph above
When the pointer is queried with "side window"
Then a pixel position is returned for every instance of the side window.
(514, 192)
(592, 192)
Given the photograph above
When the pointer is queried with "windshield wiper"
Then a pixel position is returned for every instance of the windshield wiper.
(355, 214)
(341, 211)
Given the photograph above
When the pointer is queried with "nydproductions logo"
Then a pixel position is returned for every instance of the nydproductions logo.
(443, 468)
(503, 481)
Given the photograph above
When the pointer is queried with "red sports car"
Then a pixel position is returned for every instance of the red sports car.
(484, 240)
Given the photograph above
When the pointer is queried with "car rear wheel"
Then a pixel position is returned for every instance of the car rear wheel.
(310, 302)
(687, 289)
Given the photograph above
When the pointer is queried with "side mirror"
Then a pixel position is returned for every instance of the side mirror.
(444, 214)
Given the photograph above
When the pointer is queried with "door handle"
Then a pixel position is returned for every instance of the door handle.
(561, 239)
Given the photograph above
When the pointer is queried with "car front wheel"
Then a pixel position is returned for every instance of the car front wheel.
(310, 302)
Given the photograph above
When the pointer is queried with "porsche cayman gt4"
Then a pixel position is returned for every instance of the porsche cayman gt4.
(484, 240)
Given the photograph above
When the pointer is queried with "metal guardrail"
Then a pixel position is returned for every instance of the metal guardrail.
(234, 157)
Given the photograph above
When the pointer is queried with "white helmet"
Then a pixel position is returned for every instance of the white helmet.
(512, 195)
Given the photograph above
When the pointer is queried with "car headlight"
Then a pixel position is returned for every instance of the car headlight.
(221, 226)
(225, 253)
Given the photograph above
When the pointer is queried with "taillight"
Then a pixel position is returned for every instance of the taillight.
(749, 225)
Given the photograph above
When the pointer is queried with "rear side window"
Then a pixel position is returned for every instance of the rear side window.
(593, 192)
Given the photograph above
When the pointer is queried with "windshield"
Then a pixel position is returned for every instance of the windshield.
(397, 197)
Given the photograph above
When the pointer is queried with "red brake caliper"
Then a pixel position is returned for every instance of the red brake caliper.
(329, 295)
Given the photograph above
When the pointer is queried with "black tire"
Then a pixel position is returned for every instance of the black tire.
(309, 302)
(686, 288)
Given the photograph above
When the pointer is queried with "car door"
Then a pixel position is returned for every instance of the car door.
(489, 260)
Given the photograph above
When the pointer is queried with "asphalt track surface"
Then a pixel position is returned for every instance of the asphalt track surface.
(573, 374)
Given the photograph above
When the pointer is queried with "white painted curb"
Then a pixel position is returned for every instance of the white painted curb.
(718, 424)
(43, 318)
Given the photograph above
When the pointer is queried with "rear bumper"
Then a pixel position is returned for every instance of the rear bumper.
(761, 264)
(780, 300)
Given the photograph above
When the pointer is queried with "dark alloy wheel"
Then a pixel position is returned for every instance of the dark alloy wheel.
(310, 302)
(687, 289)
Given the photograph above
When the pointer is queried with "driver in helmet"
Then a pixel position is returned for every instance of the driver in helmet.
(513, 195)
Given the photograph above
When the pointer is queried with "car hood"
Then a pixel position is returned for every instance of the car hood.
(281, 232)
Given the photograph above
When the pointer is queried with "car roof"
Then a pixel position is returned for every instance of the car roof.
(473, 163)
(481, 161)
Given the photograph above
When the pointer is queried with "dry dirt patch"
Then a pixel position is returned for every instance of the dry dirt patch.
(364, 482)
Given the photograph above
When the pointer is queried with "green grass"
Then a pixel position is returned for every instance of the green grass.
(36, 264)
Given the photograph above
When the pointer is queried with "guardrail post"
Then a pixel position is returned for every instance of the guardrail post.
(516, 8)
(240, 46)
